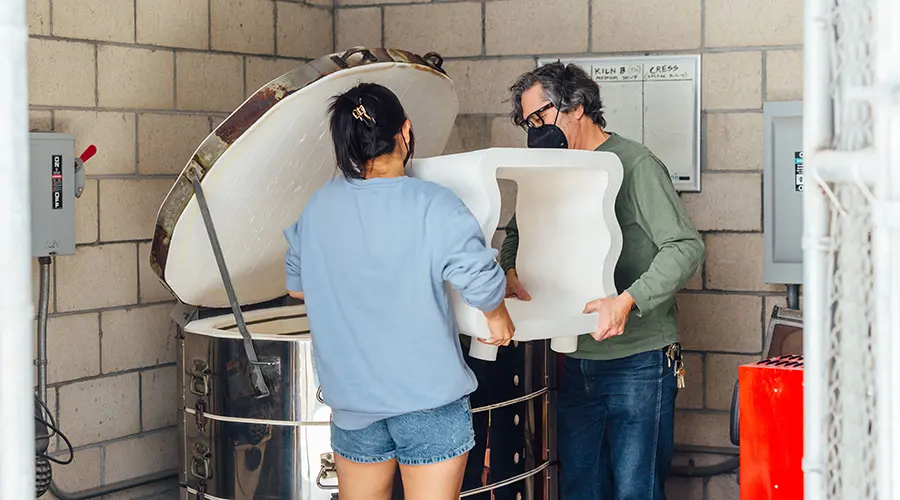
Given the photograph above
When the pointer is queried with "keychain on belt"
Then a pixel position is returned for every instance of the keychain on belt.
(673, 355)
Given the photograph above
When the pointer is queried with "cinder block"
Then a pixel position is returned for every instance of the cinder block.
(702, 428)
(735, 262)
(727, 202)
(358, 27)
(536, 26)
(87, 223)
(100, 409)
(467, 134)
(734, 141)
(209, 82)
(166, 142)
(40, 121)
(262, 71)
(691, 397)
(137, 338)
(479, 94)
(159, 398)
(113, 134)
(631, 25)
(96, 277)
(105, 20)
(304, 31)
(724, 488)
(779, 300)
(722, 372)
(38, 17)
(141, 455)
(732, 23)
(173, 23)
(73, 347)
(684, 488)
(725, 323)
(61, 74)
(136, 78)
(151, 289)
(82, 474)
(784, 75)
(246, 26)
(128, 207)
(732, 80)
(450, 29)
(504, 134)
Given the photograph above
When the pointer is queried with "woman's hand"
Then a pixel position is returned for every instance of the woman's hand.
(501, 326)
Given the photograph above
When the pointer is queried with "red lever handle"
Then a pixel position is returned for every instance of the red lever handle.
(88, 153)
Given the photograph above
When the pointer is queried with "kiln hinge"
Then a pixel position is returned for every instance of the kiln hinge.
(256, 377)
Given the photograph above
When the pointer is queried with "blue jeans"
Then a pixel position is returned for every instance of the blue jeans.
(616, 426)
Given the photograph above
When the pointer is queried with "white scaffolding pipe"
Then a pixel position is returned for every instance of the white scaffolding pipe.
(817, 134)
(16, 307)
(886, 242)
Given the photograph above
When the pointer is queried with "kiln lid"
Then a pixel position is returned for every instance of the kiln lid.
(260, 166)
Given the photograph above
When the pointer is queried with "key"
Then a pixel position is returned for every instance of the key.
(669, 356)
(679, 375)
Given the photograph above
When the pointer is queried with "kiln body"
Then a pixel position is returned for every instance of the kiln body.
(256, 172)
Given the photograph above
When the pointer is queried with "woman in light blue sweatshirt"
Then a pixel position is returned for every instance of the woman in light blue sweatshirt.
(370, 256)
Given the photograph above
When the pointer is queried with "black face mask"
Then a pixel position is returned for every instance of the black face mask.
(547, 136)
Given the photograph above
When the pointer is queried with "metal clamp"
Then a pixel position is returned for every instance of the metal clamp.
(256, 376)
(201, 491)
(200, 416)
(342, 60)
(434, 60)
(328, 470)
(200, 378)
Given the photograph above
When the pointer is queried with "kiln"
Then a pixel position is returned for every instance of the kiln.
(254, 422)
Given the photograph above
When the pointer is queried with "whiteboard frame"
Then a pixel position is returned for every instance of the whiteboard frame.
(686, 187)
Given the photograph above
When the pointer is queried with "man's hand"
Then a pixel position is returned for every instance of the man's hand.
(501, 326)
(612, 315)
(514, 287)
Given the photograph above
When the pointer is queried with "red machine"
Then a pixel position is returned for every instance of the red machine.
(771, 429)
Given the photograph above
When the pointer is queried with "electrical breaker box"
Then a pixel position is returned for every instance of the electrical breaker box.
(783, 192)
(52, 194)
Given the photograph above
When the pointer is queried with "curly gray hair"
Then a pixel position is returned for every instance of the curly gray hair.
(566, 86)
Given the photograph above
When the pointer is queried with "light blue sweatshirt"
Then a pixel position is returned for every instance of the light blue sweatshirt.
(373, 259)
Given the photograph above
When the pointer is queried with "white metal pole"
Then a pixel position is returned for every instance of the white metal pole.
(16, 307)
(886, 242)
(817, 133)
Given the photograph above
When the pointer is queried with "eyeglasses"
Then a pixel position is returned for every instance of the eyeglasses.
(535, 120)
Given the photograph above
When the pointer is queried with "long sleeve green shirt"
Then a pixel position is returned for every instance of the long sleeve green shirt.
(661, 251)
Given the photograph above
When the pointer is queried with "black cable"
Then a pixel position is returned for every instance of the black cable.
(55, 431)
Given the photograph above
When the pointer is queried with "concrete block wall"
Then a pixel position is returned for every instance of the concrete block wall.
(751, 53)
(144, 80)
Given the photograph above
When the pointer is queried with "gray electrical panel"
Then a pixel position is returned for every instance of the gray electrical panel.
(52, 194)
(783, 192)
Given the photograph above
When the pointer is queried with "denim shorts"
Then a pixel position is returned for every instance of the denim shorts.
(417, 438)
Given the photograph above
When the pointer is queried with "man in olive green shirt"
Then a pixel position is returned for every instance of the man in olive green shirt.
(617, 394)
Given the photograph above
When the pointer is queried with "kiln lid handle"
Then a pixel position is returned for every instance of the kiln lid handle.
(256, 377)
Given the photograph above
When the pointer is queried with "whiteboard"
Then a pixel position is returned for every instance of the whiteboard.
(654, 100)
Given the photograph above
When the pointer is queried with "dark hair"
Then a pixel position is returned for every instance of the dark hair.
(361, 134)
(566, 86)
